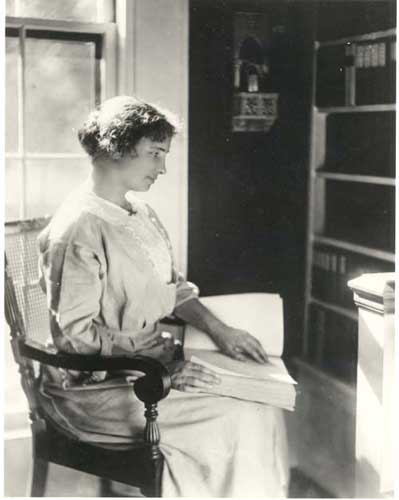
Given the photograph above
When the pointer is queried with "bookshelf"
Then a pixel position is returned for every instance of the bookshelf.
(370, 179)
(371, 252)
(351, 190)
(358, 109)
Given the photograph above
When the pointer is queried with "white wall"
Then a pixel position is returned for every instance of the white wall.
(154, 66)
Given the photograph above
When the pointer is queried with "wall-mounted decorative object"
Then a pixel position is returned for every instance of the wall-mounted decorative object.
(255, 103)
(254, 112)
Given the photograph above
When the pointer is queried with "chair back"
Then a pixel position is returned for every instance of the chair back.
(25, 303)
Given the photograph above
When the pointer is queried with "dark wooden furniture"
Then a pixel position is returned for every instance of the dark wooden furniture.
(139, 465)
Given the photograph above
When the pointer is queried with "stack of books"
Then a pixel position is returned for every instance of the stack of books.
(360, 73)
(375, 64)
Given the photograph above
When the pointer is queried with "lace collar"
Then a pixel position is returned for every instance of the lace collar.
(111, 212)
(144, 228)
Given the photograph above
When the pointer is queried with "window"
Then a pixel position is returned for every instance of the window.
(68, 10)
(60, 62)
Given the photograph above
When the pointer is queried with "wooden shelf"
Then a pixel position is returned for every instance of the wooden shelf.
(369, 108)
(322, 175)
(343, 311)
(358, 38)
(368, 179)
(352, 247)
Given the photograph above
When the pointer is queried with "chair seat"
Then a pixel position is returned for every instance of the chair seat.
(128, 464)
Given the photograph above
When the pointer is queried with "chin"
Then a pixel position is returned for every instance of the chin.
(142, 186)
(141, 189)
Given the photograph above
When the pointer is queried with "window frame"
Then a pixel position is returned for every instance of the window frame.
(107, 67)
(15, 416)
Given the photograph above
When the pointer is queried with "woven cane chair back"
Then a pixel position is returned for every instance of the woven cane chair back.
(22, 263)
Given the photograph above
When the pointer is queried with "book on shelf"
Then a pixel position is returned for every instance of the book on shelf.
(350, 75)
(333, 343)
(328, 275)
(261, 315)
(331, 76)
(357, 73)
(375, 63)
(320, 275)
(332, 269)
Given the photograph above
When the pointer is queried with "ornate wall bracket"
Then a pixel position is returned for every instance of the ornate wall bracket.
(254, 112)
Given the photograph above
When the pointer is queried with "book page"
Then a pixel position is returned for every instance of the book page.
(274, 370)
(261, 314)
(254, 390)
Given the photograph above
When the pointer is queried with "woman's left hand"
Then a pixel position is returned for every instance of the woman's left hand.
(240, 344)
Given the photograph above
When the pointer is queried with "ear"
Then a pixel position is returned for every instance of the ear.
(133, 153)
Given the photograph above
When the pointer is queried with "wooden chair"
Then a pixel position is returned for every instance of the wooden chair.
(138, 465)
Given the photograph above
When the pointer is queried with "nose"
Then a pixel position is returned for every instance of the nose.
(162, 169)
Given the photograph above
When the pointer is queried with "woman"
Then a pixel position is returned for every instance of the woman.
(109, 275)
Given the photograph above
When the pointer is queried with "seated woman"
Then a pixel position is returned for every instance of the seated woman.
(109, 275)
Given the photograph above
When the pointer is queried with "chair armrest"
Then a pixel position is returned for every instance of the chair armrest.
(151, 388)
(172, 320)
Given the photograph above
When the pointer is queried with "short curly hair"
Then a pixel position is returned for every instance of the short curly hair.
(114, 128)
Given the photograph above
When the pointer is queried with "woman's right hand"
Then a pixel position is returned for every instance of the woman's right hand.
(192, 377)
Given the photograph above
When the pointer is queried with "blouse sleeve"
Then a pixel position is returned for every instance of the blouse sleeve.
(185, 290)
(74, 288)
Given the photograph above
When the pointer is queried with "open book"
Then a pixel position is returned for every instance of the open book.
(261, 315)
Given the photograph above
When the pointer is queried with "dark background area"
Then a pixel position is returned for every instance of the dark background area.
(248, 191)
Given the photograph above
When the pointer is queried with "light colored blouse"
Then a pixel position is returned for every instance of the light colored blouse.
(108, 274)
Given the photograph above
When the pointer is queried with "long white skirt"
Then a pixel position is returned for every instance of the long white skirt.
(213, 446)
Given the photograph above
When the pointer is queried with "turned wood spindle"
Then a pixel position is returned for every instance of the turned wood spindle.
(151, 432)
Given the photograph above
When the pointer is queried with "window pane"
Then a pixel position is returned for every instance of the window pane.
(69, 10)
(60, 91)
(13, 193)
(49, 182)
(11, 91)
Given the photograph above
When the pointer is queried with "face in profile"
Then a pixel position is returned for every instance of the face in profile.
(140, 168)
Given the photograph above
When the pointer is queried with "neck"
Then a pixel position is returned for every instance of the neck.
(106, 184)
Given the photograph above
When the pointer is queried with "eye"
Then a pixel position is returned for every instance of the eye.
(155, 154)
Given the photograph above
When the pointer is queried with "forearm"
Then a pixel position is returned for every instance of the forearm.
(196, 314)
(232, 341)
